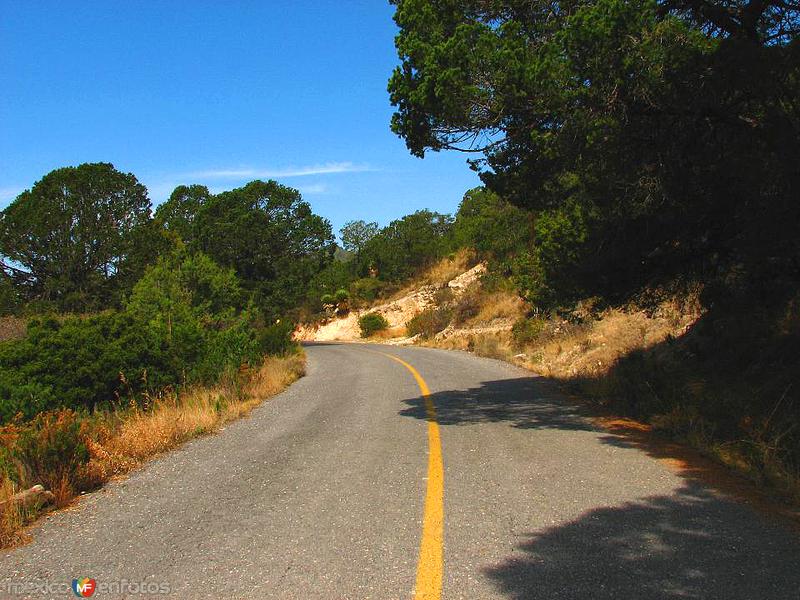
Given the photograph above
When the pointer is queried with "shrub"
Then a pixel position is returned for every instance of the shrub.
(327, 299)
(82, 362)
(371, 323)
(443, 296)
(526, 331)
(180, 326)
(48, 450)
(342, 295)
(367, 289)
(276, 339)
(429, 322)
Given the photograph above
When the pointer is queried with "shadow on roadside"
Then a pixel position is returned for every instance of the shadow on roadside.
(694, 543)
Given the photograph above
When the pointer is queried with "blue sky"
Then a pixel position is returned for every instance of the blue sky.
(217, 93)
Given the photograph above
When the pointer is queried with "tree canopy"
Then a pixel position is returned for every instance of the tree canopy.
(270, 237)
(69, 239)
(178, 213)
(672, 128)
(356, 234)
(406, 245)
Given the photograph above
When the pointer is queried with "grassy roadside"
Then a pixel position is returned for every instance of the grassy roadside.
(69, 452)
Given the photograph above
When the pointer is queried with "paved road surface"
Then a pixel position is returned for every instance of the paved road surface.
(321, 494)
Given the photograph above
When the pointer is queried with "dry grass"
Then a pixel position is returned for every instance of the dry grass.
(563, 350)
(448, 268)
(173, 419)
(122, 440)
(592, 349)
(497, 344)
(389, 333)
(500, 305)
(12, 516)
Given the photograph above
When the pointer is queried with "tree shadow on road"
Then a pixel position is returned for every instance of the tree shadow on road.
(540, 403)
(693, 543)
(690, 544)
(527, 402)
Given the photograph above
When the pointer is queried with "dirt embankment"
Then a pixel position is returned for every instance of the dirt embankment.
(397, 312)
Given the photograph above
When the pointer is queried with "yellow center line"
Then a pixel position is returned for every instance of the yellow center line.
(429, 567)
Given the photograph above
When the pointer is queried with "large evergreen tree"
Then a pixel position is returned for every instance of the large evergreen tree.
(69, 239)
(270, 237)
(670, 131)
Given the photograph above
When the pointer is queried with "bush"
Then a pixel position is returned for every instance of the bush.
(526, 331)
(180, 326)
(48, 450)
(81, 362)
(371, 323)
(327, 300)
(276, 339)
(367, 289)
(443, 296)
(342, 295)
(429, 322)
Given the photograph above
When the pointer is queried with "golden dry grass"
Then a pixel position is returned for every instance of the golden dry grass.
(496, 344)
(389, 333)
(173, 419)
(11, 516)
(122, 440)
(592, 349)
(448, 268)
(500, 305)
(566, 351)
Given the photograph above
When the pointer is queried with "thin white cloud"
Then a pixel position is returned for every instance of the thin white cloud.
(315, 188)
(322, 169)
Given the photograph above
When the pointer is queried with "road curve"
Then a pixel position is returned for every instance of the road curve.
(321, 493)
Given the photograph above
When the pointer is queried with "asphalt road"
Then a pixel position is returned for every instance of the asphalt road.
(321, 493)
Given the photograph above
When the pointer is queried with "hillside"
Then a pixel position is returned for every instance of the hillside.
(398, 311)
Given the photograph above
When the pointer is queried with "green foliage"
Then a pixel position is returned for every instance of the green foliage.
(179, 212)
(371, 323)
(591, 109)
(356, 234)
(82, 240)
(72, 237)
(429, 322)
(182, 324)
(551, 271)
(270, 237)
(51, 447)
(367, 289)
(185, 279)
(276, 339)
(527, 330)
(406, 246)
(493, 227)
(9, 297)
(79, 363)
(380, 257)
(336, 275)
